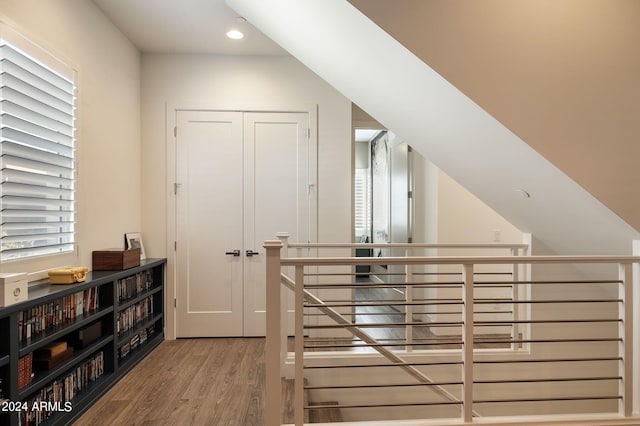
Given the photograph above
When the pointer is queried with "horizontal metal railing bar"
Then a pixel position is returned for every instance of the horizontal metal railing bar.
(373, 285)
(585, 340)
(551, 360)
(401, 313)
(407, 245)
(427, 302)
(459, 323)
(476, 283)
(350, 314)
(555, 282)
(457, 260)
(341, 274)
(321, 342)
(436, 340)
(571, 301)
(376, 285)
(413, 364)
(397, 385)
(405, 404)
(396, 285)
(415, 314)
(439, 363)
(328, 301)
(510, 341)
(375, 345)
(378, 304)
(385, 325)
(560, 398)
(550, 321)
(454, 383)
(366, 274)
(557, 379)
(506, 301)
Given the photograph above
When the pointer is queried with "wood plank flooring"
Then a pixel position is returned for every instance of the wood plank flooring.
(219, 381)
(189, 382)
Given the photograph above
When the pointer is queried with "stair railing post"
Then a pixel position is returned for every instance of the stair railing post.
(635, 307)
(467, 343)
(408, 309)
(273, 391)
(299, 347)
(515, 297)
(625, 333)
(284, 307)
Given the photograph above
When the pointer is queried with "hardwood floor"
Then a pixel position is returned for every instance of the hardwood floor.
(216, 381)
(189, 382)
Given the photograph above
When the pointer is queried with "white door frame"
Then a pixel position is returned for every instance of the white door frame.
(170, 199)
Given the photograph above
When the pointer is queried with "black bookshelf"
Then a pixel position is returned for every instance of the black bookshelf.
(146, 333)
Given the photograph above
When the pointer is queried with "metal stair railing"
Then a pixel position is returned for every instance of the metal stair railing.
(477, 392)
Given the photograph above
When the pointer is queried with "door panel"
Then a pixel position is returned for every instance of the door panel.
(276, 197)
(209, 205)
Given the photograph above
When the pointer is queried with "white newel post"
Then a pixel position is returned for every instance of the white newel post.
(273, 390)
(284, 307)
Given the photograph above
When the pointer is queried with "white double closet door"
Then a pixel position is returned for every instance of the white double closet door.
(242, 178)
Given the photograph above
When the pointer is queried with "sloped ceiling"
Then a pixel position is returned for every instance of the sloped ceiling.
(353, 54)
(564, 75)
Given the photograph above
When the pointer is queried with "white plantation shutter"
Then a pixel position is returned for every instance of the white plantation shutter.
(37, 166)
(362, 202)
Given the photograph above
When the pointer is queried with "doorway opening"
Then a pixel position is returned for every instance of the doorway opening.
(383, 213)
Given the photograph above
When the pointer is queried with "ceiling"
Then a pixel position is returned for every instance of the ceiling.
(185, 26)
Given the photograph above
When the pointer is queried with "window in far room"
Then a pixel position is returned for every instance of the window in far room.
(37, 151)
(362, 181)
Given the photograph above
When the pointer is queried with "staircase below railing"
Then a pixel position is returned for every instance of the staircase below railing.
(563, 346)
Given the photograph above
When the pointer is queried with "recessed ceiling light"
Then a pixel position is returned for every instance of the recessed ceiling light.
(235, 34)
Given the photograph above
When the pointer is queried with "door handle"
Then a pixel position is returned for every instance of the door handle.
(235, 253)
(251, 253)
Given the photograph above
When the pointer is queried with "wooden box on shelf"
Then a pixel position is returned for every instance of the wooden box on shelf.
(88, 334)
(52, 355)
(115, 259)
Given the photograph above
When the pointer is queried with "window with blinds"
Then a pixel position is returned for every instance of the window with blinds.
(37, 125)
(362, 202)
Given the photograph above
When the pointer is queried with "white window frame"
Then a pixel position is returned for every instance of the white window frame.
(37, 151)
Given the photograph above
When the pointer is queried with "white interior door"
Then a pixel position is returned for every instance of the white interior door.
(209, 205)
(243, 177)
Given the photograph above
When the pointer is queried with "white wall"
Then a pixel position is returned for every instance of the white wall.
(108, 126)
(463, 218)
(239, 82)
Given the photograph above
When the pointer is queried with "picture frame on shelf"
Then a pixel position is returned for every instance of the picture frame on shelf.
(134, 240)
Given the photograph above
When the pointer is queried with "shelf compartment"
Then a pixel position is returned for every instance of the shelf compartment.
(51, 335)
(140, 352)
(42, 378)
(91, 392)
(148, 322)
(4, 360)
(130, 302)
